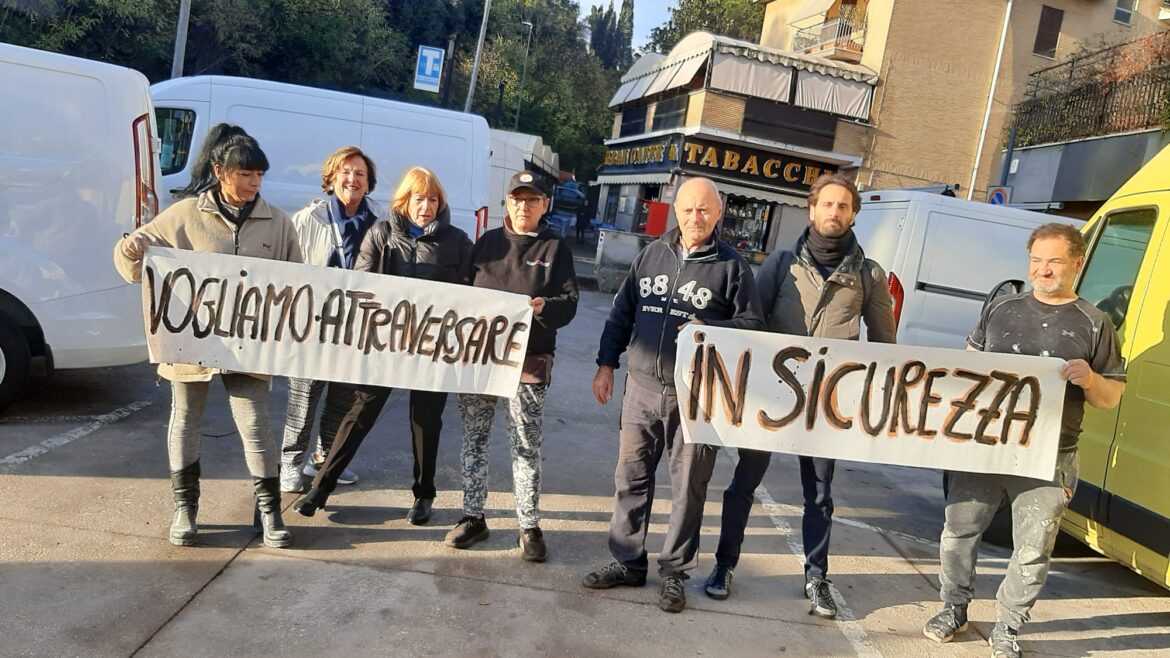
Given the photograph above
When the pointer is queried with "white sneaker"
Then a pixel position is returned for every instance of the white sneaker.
(347, 476)
(291, 480)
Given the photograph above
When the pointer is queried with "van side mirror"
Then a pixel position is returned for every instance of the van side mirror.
(1009, 287)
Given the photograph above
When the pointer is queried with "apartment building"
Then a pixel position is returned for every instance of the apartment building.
(899, 93)
(950, 71)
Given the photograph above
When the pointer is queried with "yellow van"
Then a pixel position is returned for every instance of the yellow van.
(1122, 504)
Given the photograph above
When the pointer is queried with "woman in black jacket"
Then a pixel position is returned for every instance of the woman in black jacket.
(417, 241)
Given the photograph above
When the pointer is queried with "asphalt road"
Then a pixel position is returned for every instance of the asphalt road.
(86, 570)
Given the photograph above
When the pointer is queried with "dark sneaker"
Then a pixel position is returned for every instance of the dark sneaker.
(420, 512)
(532, 545)
(672, 594)
(469, 530)
(949, 622)
(613, 575)
(718, 584)
(1004, 641)
(820, 598)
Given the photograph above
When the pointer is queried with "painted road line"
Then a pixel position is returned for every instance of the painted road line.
(846, 621)
(65, 438)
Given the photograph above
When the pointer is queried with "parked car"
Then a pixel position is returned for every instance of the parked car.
(568, 199)
(77, 170)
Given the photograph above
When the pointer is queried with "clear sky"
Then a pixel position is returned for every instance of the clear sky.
(648, 14)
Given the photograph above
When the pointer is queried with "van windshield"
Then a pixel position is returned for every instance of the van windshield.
(175, 129)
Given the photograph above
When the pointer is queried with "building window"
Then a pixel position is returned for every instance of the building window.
(633, 121)
(1048, 33)
(670, 113)
(1124, 11)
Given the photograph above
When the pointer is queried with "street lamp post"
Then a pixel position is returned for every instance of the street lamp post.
(523, 75)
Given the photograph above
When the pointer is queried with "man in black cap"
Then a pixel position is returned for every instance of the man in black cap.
(523, 256)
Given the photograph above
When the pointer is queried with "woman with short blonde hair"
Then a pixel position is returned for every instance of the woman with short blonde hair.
(418, 242)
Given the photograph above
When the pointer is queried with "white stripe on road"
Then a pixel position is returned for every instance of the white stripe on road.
(65, 438)
(846, 621)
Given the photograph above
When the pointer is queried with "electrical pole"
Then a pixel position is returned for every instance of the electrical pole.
(487, 7)
(181, 39)
(523, 75)
(450, 69)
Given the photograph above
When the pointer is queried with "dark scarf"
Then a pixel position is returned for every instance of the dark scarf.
(353, 231)
(829, 252)
(230, 213)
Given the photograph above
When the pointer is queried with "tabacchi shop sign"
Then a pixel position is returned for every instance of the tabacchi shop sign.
(773, 169)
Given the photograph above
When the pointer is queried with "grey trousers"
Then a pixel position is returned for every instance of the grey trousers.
(650, 425)
(1037, 505)
(247, 397)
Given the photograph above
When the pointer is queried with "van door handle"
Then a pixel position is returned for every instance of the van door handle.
(176, 190)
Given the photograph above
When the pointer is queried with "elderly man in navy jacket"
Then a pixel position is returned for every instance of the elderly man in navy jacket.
(688, 275)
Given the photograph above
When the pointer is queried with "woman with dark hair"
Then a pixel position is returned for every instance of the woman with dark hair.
(228, 217)
(417, 242)
(331, 231)
(202, 169)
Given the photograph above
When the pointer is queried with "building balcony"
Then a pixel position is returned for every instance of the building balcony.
(1120, 89)
(840, 39)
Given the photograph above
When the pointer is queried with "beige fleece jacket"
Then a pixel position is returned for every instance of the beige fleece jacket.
(198, 225)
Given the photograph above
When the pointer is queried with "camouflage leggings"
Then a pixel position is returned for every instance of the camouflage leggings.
(525, 415)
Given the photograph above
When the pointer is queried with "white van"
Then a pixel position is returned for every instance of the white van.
(512, 153)
(943, 255)
(77, 170)
(298, 127)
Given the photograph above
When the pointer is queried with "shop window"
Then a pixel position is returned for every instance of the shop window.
(1048, 32)
(745, 223)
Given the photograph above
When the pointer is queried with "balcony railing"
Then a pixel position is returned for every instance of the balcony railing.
(841, 38)
(1119, 89)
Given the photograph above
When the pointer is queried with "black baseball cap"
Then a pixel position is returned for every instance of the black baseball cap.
(522, 179)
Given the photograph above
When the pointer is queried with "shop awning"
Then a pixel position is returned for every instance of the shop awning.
(657, 178)
(762, 195)
(751, 77)
(828, 94)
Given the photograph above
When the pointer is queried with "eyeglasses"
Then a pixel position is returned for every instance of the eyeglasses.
(525, 201)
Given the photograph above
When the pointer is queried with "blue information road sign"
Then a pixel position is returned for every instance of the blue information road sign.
(428, 70)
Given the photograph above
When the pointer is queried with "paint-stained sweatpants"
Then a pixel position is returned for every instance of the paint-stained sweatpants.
(650, 425)
(972, 501)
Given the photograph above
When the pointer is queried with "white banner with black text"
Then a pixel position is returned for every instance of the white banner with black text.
(870, 402)
(276, 318)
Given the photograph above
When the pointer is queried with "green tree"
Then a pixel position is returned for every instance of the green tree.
(625, 45)
(738, 19)
(126, 32)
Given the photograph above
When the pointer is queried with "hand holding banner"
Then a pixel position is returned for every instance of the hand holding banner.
(276, 318)
(893, 404)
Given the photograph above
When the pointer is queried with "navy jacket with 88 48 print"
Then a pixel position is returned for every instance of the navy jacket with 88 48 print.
(663, 290)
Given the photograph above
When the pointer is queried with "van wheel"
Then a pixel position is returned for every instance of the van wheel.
(999, 532)
(14, 363)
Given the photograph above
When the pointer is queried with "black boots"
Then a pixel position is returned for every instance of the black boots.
(268, 518)
(185, 489)
(308, 504)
